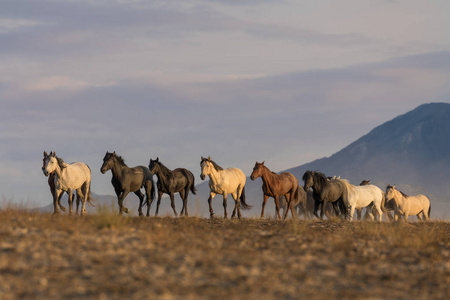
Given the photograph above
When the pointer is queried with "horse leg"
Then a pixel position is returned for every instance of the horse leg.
(183, 195)
(236, 205)
(148, 194)
(211, 196)
(276, 199)
(359, 213)
(264, 205)
(55, 201)
(352, 212)
(317, 203)
(288, 205)
(225, 215)
(141, 200)
(85, 190)
(59, 203)
(160, 193)
(120, 199)
(70, 194)
(79, 198)
(172, 203)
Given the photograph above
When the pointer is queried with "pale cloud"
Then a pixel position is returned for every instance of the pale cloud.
(55, 82)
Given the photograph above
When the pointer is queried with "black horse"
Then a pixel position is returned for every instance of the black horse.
(126, 180)
(170, 182)
(324, 191)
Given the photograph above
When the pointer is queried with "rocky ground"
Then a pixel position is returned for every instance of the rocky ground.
(109, 257)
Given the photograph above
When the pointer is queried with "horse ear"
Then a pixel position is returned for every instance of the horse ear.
(45, 154)
(393, 186)
(263, 162)
(54, 154)
(209, 158)
(157, 159)
(114, 153)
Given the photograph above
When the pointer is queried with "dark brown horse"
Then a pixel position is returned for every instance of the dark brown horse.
(324, 191)
(170, 182)
(276, 185)
(126, 180)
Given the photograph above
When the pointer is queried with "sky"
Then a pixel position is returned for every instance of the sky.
(285, 82)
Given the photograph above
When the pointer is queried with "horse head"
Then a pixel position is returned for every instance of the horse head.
(107, 161)
(308, 178)
(257, 170)
(49, 163)
(154, 165)
(390, 192)
(365, 182)
(205, 165)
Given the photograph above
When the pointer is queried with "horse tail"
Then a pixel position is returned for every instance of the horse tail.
(153, 192)
(244, 204)
(193, 189)
(429, 211)
(383, 203)
(89, 197)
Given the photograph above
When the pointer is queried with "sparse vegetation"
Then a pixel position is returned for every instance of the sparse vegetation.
(105, 256)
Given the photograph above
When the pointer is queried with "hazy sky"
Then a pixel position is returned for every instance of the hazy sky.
(241, 80)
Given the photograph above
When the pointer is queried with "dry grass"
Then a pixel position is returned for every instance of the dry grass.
(109, 257)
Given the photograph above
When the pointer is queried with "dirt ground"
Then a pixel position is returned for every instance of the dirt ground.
(109, 257)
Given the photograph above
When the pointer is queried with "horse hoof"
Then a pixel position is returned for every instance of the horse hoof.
(63, 208)
(212, 216)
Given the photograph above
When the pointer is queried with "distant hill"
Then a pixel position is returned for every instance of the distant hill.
(411, 151)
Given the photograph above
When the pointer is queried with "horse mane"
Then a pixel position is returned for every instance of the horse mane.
(61, 162)
(216, 166)
(165, 170)
(320, 177)
(391, 187)
(120, 160)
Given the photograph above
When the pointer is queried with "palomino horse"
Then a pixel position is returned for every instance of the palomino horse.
(224, 182)
(406, 206)
(325, 191)
(177, 181)
(68, 177)
(126, 180)
(369, 196)
(276, 185)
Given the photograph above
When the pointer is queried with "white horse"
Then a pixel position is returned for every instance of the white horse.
(406, 206)
(224, 182)
(69, 177)
(362, 196)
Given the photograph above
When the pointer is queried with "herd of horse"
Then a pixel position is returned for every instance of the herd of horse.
(330, 196)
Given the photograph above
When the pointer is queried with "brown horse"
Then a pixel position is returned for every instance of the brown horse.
(276, 185)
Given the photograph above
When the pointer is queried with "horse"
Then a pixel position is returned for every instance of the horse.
(224, 182)
(406, 206)
(67, 178)
(275, 185)
(177, 181)
(324, 192)
(368, 196)
(385, 207)
(125, 180)
(304, 206)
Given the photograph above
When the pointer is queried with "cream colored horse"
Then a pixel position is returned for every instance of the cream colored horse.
(68, 177)
(406, 206)
(362, 196)
(224, 182)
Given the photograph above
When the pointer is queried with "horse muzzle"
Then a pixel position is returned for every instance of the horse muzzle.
(45, 172)
(252, 177)
(102, 170)
(202, 177)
